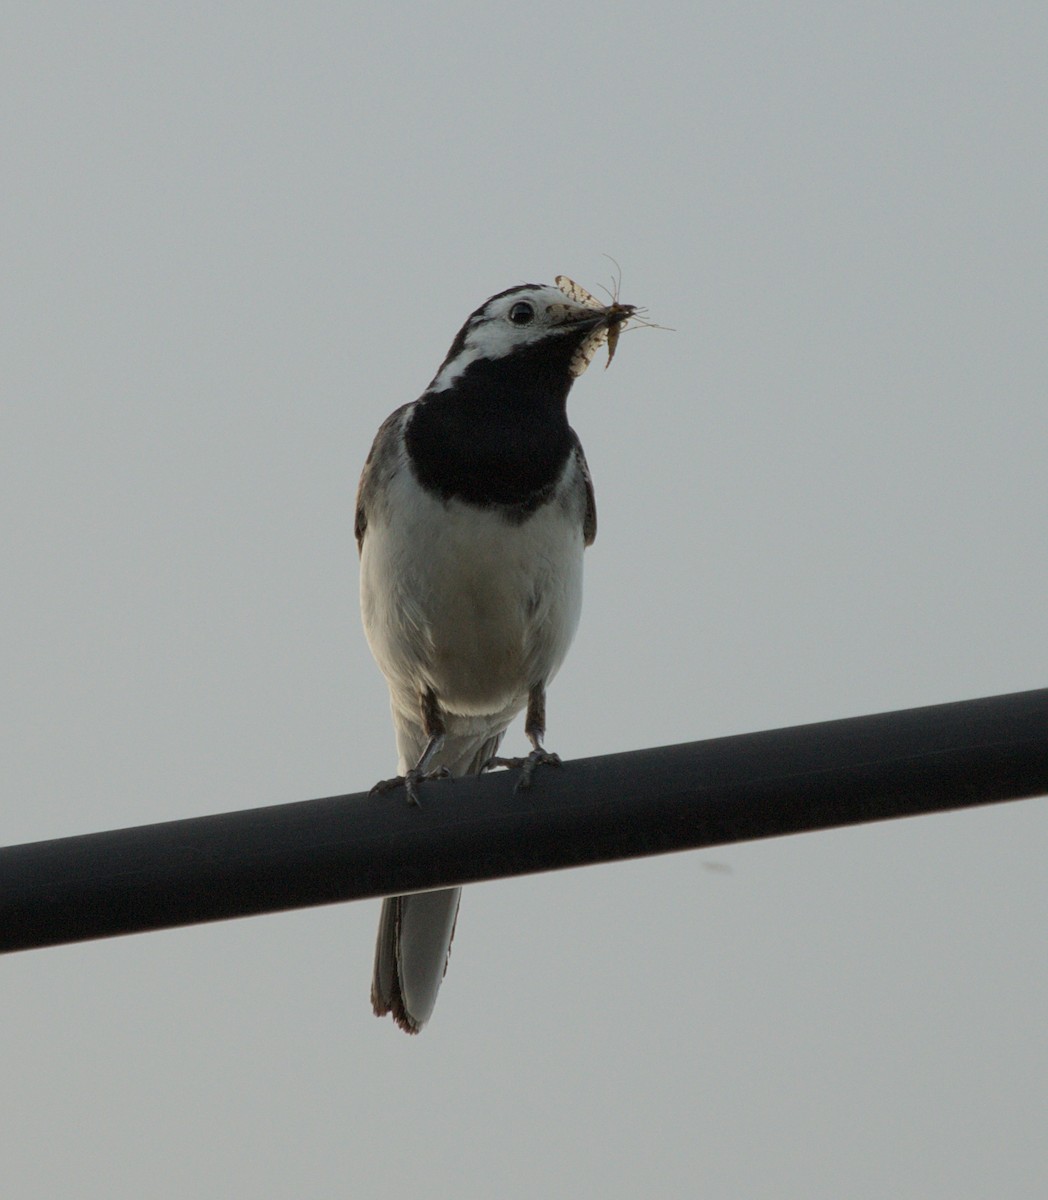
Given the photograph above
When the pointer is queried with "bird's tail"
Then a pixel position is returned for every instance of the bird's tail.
(414, 935)
(411, 955)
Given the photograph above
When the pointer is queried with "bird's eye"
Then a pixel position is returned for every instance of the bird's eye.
(522, 313)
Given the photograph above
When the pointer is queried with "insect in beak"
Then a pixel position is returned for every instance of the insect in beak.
(615, 316)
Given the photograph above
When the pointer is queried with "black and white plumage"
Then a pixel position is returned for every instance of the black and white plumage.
(474, 507)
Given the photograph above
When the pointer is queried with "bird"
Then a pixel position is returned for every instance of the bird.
(473, 510)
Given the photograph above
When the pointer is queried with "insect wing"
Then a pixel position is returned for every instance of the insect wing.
(576, 292)
(583, 356)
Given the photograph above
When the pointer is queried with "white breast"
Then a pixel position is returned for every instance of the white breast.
(460, 600)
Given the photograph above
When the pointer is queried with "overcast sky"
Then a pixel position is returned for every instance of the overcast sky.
(235, 237)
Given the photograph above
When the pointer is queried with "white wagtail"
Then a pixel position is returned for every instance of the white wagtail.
(473, 510)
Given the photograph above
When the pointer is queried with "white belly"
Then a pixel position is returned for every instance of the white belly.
(482, 612)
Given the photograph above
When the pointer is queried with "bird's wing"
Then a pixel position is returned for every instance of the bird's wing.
(379, 465)
(589, 520)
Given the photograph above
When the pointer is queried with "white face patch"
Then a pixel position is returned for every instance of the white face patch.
(510, 321)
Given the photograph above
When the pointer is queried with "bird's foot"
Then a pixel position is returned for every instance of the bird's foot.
(538, 756)
(409, 783)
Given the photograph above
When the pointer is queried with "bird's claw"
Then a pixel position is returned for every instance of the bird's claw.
(409, 782)
(527, 766)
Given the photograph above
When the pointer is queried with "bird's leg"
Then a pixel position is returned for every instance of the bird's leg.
(433, 727)
(535, 729)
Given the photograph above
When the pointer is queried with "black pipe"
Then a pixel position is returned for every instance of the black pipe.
(731, 789)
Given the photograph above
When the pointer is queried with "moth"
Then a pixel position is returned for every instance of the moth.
(615, 317)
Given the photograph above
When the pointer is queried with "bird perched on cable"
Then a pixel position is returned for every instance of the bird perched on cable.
(473, 510)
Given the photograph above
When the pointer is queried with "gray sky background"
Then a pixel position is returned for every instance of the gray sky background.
(234, 238)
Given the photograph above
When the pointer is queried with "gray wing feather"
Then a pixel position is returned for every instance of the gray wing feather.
(589, 520)
(378, 466)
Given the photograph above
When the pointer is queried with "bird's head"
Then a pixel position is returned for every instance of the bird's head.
(549, 325)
